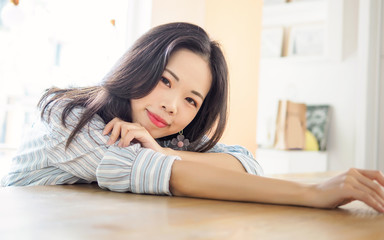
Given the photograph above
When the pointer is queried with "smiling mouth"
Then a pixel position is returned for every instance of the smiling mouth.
(157, 120)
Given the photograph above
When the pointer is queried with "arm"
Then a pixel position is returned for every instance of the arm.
(201, 180)
(234, 157)
(222, 160)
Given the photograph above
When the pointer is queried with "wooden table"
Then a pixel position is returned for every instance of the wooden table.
(87, 212)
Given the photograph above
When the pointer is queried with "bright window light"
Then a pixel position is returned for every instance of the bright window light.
(45, 43)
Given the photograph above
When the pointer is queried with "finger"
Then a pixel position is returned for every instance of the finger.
(128, 132)
(371, 184)
(115, 134)
(370, 187)
(123, 133)
(125, 129)
(109, 126)
(374, 175)
(360, 190)
(143, 137)
(126, 142)
(372, 179)
(369, 200)
(135, 133)
(371, 195)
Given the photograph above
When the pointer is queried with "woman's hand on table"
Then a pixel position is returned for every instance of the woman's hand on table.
(355, 184)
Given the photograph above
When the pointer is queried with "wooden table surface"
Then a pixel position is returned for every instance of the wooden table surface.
(88, 212)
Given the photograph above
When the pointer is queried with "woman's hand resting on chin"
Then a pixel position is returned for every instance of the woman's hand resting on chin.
(128, 132)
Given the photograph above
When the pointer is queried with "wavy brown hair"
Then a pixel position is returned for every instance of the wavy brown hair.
(137, 73)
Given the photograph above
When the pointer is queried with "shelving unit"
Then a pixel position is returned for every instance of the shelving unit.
(324, 15)
(282, 162)
(290, 13)
(298, 18)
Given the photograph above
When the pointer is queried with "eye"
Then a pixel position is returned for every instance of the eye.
(165, 81)
(191, 101)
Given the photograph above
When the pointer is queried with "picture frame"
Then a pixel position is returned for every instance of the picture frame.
(318, 123)
(272, 42)
(306, 40)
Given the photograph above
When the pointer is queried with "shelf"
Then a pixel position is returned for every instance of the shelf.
(294, 13)
(310, 28)
(295, 59)
(281, 162)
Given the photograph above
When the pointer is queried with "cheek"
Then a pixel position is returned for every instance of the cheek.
(188, 117)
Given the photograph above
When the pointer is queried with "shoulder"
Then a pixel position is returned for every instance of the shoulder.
(224, 148)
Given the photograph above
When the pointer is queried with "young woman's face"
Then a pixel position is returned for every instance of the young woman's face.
(178, 96)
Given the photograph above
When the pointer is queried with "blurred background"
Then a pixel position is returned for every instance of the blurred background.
(46, 43)
(315, 52)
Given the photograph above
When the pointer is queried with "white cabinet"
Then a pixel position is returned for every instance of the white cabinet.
(281, 162)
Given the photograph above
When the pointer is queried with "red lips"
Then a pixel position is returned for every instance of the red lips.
(157, 120)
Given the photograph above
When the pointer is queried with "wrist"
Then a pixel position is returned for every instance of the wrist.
(168, 151)
(301, 194)
(309, 195)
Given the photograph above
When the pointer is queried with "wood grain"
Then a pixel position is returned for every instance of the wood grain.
(88, 212)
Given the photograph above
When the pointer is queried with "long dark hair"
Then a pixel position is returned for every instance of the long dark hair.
(137, 73)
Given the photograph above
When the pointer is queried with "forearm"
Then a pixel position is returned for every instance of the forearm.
(222, 160)
(194, 179)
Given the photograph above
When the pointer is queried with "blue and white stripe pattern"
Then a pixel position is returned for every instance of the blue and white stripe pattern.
(243, 155)
(43, 159)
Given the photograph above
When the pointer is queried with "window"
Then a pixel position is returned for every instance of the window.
(46, 43)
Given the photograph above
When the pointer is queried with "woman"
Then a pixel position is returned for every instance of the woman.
(145, 128)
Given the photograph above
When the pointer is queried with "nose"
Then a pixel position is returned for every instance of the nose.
(169, 105)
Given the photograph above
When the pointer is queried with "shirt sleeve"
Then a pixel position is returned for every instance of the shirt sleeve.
(135, 169)
(88, 158)
(242, 154)
(130, 169)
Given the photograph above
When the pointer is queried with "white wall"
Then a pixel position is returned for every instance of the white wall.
(352, 83)
(381, 104)
(331, 80)
(317, 82)
(368, 95)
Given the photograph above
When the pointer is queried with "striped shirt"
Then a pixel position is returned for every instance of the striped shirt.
(43, 160)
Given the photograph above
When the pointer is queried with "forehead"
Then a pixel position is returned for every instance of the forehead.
(192, 70)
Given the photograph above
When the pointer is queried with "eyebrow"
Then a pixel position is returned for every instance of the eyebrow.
(178, 79)
(173, 74)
